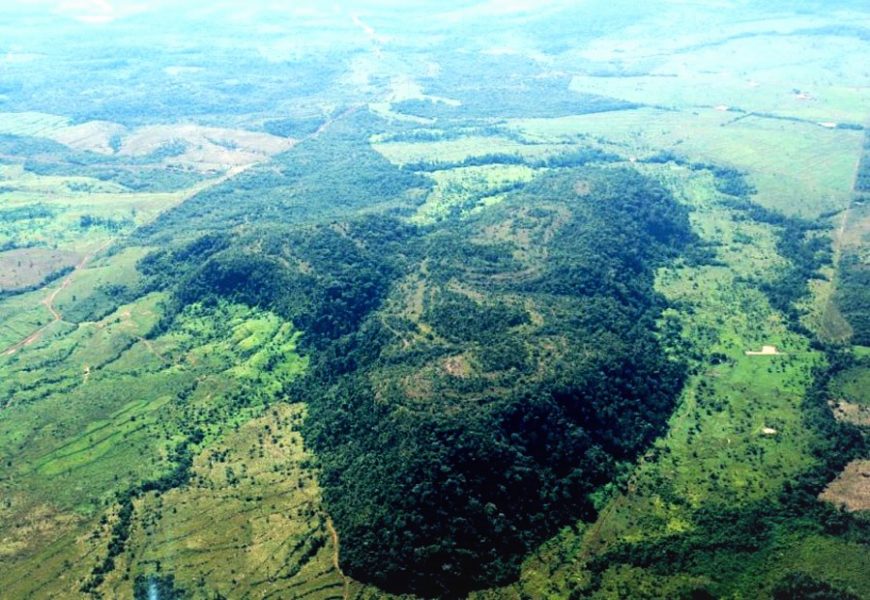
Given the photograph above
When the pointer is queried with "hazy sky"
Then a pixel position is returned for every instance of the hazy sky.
(105, 11)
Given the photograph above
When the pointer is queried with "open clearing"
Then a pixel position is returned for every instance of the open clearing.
(765, 351)
(26, 267)
(852, 488)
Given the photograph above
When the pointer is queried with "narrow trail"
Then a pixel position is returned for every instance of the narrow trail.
(329, 122)
(152, 349)
(830, 311)
(335, 552)
(48, 302)
(592, 538)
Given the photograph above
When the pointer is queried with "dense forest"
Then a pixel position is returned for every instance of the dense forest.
(457, 430)
(455, 440)
(853, 296)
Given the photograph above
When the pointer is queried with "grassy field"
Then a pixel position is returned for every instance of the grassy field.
(797, 168)
(458, 191)
(273, 540)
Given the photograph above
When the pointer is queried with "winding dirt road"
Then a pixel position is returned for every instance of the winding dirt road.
(48, 302)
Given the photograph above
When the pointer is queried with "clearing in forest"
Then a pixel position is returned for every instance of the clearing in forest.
(765, 351)
(851, 489)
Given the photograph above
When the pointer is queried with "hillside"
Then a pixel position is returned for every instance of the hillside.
(467, 301)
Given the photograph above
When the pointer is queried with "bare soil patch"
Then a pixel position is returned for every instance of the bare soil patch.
(582, 188)
(765, 351)
(457, 366)
(851, 489)
(851, 412)
(26, 267)
(205, 148)
(94, 136)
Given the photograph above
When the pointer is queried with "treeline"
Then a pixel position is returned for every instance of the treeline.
(805, 247)
(503, 86)
(728, 180)
(107, 223)
(862, 178)
(46, 157)
(27, 213)
(453, 132)
(293, 127)
(853, 295)
(323, 278)
(53, 276)
(575, 158)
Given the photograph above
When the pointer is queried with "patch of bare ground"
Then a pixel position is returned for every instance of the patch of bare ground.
(851, 489)
(457, 366)
(93, 136)
(48, 302)
(24, 267)
(205, 148)
(851, 412)
(765, 351)
(582, 188)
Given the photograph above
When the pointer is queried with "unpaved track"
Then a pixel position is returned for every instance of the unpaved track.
(48, 302)
(335, 552)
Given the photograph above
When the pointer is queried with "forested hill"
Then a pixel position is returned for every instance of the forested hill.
(511, 366)
(472, 381)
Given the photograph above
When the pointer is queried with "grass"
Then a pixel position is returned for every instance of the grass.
(21, 315)
(469, 188)
(76, 214)
(30, 123)
(760, 65)
(798, 168)
(273, 539)
(853, 385)
(27, 267)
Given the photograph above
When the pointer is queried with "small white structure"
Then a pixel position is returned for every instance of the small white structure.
(765, 351)
(768, 431)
